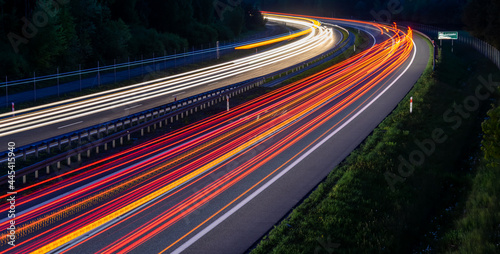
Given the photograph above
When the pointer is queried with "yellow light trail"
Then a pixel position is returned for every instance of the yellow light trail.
(315, 24)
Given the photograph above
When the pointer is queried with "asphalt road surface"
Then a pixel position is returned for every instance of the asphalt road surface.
(219, 185)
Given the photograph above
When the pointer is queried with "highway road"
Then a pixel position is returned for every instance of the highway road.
(218, 185)
(40, 123)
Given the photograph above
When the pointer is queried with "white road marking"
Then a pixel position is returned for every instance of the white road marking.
(81, 238)
(65, 126)
(301, 158)
(136, 106)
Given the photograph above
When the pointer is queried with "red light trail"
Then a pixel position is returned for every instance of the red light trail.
(155, 171)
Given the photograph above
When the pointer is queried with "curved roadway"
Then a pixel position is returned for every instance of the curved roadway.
(44, 122)
(217, 186)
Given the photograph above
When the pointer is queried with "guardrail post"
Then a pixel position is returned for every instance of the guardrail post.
(36, 174)
(113, 143)
(69, 161)
(97, 149)
(121, 140)
(128, 137)
(79, 157)
(142, 132)
(24, 178)
(88, 153)
(47, 170)
(149, 128)
(58, 165)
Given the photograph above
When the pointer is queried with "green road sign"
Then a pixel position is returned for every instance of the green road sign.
(447, 35)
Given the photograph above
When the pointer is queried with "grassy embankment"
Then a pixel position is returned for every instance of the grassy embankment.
(476, 228)
(383, 196)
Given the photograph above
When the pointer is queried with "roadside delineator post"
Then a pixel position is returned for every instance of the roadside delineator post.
(411, 105)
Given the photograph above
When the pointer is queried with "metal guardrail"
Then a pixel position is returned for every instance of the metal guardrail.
(156, 117)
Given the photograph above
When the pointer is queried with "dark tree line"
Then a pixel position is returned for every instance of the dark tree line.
(39, 35)
(65, 33)
(480, 17)
(423, 11)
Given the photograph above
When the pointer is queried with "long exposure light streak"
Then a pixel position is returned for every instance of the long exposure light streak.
(123, 187)
(314, 23)
(86, 105)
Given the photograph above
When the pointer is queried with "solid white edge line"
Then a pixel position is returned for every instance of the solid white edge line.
(274, 179)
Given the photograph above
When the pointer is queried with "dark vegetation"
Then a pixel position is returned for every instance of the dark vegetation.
(481, 17)
(477, 230)
(40, 35)
(423, 11)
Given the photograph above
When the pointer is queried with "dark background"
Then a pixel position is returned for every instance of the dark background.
(87, 31)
